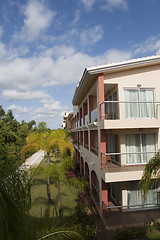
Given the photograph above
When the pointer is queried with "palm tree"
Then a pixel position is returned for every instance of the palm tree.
(151, 174)
(14, 201)
(36, 141)
(15, 222)
(55, 141)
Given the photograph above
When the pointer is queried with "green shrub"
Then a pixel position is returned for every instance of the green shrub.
(130, 233)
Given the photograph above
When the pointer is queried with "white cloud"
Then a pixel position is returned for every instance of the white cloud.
(37, 20)
(88, 4)
(114, 55)
(12, 95)
(152, 44)
(112, 4)
(77, 16)
(92, 35)
(19, 109)
(1, 31)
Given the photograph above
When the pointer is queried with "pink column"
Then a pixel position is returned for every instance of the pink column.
(90, 107)
(103, 147)
(104, 192)
(101, 91)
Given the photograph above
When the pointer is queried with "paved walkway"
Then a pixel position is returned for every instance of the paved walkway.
(34, 160)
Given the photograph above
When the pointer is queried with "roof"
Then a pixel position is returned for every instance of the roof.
(91, 73)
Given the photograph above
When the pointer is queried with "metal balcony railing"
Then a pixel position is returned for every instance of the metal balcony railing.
(132, 207)
(110, 110)
(131, 158)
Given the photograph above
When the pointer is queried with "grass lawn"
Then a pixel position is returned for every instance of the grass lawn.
(154, 236)
(39, 206)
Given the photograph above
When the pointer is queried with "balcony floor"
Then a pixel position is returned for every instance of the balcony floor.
(111, 167)
(118, 219)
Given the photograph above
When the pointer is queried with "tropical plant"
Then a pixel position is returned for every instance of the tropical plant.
(14, 201)
(151, 174)
(56, 142)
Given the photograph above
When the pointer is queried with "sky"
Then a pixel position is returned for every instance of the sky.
(45, 45)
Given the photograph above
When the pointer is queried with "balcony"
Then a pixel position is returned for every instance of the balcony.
(94, 117)
(111, 110)
(86, 119)
(86, 146)
(81, 122)
(133, 160)
(94, 150)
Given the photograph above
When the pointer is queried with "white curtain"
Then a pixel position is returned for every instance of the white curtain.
(133, 146)
(148, 145)
(135, 196)
(147, 110)
(131, 109)
(139, 110)
(145, 144)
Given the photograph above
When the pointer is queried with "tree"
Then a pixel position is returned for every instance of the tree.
(42, 127)
(2, 112)
(151, 174)
(50, 141)
(14, 201)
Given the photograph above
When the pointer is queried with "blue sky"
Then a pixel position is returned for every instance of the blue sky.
(46, 44)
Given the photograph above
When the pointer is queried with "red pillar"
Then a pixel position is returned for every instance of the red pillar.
(90, 107)
(104, 192)
(101, 91)
(103, 147)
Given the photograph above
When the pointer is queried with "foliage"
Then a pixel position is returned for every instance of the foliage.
(85, 221)
(152, 226)
(80, 183)
(13, 136)
(151, 174)
(14, 201)
(130, 233)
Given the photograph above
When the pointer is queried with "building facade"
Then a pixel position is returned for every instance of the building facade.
(116, 128)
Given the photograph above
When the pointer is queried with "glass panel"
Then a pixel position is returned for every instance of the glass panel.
(135, 196)
(131, 109)
(147, 110)
(86, 119)
(133, 146)
(148, 145)
(112, 146)
(115, 106)
(94, 115)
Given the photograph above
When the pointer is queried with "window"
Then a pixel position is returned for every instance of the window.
(135, 196)
(140, 103)
(141, 147)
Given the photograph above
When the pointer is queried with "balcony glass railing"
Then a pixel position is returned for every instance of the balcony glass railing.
(132, 109)
(81, 121)
(131, 158)
(86, 119)
(94, 115)
(94, 150)
(86, 146)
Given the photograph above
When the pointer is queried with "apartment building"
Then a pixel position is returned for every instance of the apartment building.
(116, 128)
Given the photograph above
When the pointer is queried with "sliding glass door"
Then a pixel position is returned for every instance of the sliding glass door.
(140, 148)
(139, 103)
(135, 196)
